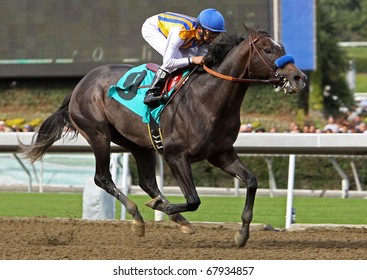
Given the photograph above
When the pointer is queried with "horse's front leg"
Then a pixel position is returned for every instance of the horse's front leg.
(181, 170)
(146, 162)
(230, 163)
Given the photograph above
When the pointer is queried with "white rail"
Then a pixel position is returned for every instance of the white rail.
(246, 143)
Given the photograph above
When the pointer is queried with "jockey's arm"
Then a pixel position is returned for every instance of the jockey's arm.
(172, 58)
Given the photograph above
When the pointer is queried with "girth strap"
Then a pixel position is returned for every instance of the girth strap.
(155, 134)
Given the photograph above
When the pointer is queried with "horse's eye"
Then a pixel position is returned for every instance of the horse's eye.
(267, 50)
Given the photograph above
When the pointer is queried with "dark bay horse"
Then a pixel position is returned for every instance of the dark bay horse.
(200, 123)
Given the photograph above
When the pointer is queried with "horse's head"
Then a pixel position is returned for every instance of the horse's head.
(268, 60)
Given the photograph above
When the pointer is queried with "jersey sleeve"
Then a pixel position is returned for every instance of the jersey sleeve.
(173, 57)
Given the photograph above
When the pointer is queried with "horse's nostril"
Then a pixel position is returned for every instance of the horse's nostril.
(298, 78)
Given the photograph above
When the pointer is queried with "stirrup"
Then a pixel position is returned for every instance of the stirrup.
(152, 100)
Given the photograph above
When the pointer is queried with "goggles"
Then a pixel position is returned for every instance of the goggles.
(210, 35)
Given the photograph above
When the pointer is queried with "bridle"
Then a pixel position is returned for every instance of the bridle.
(253, 48)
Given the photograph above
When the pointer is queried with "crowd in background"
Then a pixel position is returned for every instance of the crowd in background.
(350, 125)
(15, 128)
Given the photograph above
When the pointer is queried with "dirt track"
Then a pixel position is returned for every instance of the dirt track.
(45, 239)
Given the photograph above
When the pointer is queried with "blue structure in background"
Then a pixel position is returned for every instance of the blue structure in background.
(298, 21)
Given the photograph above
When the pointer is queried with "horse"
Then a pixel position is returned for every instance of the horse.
(200, 123)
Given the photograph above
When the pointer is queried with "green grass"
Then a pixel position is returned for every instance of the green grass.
(361, 82)
(213, 209)
(51, 205)
(359, 55)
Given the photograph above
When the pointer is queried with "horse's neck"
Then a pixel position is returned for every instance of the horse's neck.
(227, 96)
(236, 61)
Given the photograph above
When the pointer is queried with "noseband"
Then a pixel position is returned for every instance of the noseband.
(253, 49)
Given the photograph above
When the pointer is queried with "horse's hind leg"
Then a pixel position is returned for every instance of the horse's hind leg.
(146, 161)
(230, 163)
(100, 142)
(103, 179)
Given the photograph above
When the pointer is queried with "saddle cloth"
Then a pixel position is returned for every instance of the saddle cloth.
(131, 88)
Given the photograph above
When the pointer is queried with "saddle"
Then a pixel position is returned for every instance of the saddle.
(172, 81)
(130, 91)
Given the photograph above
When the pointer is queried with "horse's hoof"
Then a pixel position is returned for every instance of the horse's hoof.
(138, 228)
(240, 239)
(153, 203)
(187, 229)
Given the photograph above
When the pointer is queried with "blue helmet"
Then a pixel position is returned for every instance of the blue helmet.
(212, 20)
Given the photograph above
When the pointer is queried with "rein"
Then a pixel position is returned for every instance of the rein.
(234, 79)
(241, 80)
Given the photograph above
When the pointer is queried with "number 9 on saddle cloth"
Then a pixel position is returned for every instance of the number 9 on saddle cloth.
(131, 88)
(130, 92)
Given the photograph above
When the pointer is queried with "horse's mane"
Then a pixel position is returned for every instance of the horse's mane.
(218, 50)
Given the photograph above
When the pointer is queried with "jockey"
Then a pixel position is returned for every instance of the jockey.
(181, 40)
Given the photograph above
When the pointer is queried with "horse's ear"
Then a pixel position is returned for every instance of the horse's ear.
(249, 30)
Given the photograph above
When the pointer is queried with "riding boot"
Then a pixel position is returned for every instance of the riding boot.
(153, 95)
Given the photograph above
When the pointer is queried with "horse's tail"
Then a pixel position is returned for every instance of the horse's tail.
(51, 130)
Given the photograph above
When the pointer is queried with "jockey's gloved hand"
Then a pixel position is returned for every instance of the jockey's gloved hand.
(197, 60)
